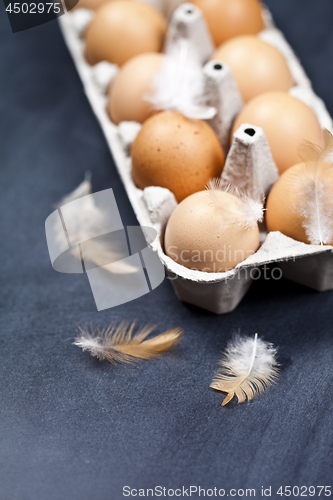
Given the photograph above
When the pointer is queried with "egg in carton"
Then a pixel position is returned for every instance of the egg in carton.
(249, 163)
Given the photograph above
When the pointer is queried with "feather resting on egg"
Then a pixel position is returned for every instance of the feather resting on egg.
(316, 205)
(247, 214)
(180, 84)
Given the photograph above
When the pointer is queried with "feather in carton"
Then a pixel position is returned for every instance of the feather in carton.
(317, 204)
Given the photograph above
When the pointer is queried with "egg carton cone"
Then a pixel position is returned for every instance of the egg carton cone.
(249, 164)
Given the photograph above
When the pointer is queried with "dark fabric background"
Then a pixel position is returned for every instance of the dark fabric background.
(73, 428)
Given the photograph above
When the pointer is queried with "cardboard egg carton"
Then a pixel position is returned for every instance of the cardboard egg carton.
(249, 163)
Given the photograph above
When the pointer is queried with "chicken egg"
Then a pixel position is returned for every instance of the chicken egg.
(177, 153)
(256, 66)
(286, 121)
(229, 18)
(204, 232)
(123, 29)
(126, 96)
(302, 193)
(90, 4)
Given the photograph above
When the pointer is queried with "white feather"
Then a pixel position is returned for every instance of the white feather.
(248, 214)
(316, 204)
(179, 85)
(87, 220)
(316, 207)
(82, 190)
(249, 366)
(312, 152)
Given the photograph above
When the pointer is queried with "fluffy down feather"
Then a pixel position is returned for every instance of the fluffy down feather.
(86, 220)
(249, 212)
(316, 204)
(179, 85)
(118, 344)
(248, 367)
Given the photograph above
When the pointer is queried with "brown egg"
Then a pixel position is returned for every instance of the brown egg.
(202, 235)
(123, 29)
(256, 66)
(229, 18)
(126, 94)
(90, 4)
(290, 207)
(177, 153)
(286, 121)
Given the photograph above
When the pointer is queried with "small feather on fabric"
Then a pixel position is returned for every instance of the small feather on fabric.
(248, 367)
(88, 219)
(119, 344)
(247, 214)
(316, 204)
(83, 189)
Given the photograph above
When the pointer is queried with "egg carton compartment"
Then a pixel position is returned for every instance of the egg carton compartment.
(249, 164)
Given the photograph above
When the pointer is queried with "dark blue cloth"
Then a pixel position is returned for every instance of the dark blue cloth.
(74, 428)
